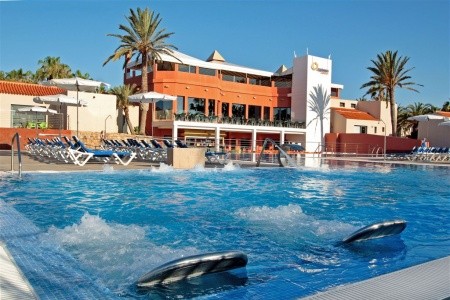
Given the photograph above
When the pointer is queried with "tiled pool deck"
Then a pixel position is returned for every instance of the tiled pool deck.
(55, 274)
(52, 272)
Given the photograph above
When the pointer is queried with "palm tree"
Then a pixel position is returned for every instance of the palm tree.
(51, 67)
(446, 106)
(389, 72)
(19, 75)
(81, 75)
(319, 103)
(122, 92)
(418, 108)
(143, 38)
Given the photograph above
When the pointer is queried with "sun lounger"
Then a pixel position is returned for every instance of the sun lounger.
(168, 144)
(180, 144)
(85, 154)
(217, 157)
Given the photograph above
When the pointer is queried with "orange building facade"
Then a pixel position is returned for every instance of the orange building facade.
(224, 105)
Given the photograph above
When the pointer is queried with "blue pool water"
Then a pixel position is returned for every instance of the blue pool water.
(119, 225)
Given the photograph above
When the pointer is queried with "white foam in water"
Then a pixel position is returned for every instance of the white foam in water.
(290, 220)
(163, 168)
(117, 253)
(231, 167)
(108, 168)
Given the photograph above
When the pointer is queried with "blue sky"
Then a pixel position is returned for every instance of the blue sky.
(257, 34)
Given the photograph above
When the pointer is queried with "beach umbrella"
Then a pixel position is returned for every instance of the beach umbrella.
(446, 123)
(36, 110)
(60, 100)
(150, 97)
(425, 118)
(76, 84)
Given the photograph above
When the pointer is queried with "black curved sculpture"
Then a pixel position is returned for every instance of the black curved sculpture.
(376, 230)
(193, 266)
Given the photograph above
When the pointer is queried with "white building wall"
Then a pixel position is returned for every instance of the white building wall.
(91, 117)
(310, 72)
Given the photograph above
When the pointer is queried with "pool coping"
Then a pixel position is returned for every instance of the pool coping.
(13, 283)
(430, 280)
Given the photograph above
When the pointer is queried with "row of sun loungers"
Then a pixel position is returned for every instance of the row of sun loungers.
(154, 151)
(145, 150)
(429, 154)
(74, 152)
(120, 152)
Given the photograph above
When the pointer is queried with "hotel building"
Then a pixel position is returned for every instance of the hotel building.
(222, 104)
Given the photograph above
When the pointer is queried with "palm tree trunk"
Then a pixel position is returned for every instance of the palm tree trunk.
(144, 89)
(393, 112)
(127, 118)
(322, 139)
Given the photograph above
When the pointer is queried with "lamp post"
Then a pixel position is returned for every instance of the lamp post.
(384, 148)
(104, 132)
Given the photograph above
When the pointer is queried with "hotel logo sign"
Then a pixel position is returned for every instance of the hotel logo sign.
(315, 67)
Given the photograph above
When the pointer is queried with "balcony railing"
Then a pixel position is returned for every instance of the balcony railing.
(199, 117)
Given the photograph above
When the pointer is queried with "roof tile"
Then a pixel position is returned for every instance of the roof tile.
(28, 89)
(443, 113)
(354, 114)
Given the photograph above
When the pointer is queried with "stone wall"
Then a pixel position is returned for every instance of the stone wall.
(94, 139)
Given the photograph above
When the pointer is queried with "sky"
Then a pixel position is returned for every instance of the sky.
(259, 34)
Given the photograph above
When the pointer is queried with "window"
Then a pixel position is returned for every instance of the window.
(163, 110)
(165, 66)
(238, 110)
(282, 113)
(334, 92)
(353, 105)
(196, 105)
(225, 107)
(255, 80)
(375, 129)
(22, 120)
(180, 104)
(266, 113)
(341, 104)
(363, 129)
(206, 71)
(186, 68)
(360, 129)
(254, 112)
(211, 107)
(234, 77)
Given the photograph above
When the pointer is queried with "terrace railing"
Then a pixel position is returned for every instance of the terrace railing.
(199, 117)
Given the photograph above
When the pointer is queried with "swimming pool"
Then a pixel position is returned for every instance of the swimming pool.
(120, 225)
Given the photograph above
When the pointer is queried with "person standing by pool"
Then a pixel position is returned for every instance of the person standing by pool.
(424, 143)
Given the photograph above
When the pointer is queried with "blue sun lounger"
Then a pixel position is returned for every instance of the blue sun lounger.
(84, 154)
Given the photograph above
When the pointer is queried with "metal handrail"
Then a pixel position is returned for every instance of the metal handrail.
(19, 155)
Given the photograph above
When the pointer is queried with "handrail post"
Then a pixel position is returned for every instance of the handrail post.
(19, 157)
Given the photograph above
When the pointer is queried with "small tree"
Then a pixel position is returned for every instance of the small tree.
(122, 93)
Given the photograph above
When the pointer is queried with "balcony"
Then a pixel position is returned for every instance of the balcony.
(202, 118)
